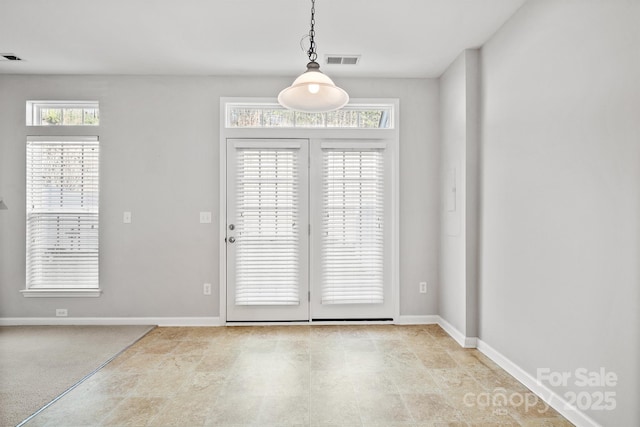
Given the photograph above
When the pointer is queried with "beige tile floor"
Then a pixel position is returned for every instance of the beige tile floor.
(369, 375)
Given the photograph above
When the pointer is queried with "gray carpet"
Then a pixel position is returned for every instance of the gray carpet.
(38, 363)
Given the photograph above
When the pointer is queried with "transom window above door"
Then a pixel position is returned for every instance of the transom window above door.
(273, 115)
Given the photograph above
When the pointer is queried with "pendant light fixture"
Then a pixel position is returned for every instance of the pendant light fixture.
(313, 91)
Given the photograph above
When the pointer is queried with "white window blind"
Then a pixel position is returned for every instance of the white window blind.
(267, 260)
(62, 212)
(352, 220)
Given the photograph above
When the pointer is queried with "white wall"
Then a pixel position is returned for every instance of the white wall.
(459, 192)
(159, 138)
(560, 207)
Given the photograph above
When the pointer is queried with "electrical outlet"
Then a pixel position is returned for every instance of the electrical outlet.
(206, 289)
(423, 287)
(61, 312)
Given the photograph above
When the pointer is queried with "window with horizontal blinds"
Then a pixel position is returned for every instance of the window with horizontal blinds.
(62, 212)
(267, 243)
(352, 244)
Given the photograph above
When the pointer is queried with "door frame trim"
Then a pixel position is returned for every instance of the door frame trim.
(392, 135)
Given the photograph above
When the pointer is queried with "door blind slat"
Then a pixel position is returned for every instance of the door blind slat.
(267, 243)
(352, 253)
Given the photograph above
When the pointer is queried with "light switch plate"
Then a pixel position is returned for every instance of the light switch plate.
(205, 217)
(126, 217)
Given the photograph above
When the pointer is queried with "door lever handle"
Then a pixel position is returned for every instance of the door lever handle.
(232, 239)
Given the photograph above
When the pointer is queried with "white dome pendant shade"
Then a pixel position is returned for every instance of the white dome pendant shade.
(313, 92)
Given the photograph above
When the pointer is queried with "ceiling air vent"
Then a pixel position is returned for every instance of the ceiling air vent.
(343, 59)
(9, 57)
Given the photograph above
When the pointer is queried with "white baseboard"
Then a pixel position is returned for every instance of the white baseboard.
(190, 321)
(208, 321)
(194, 321)
(417, 320)
(557, 402)
(466, 342)
(160, 321)
(470, 342)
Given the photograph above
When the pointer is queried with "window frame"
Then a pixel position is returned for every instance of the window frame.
(57, 132)
(387, 110)
(34, 112)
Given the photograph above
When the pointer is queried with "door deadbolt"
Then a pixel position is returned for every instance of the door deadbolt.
(232, 227)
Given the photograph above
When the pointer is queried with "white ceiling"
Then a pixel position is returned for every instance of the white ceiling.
(397, 38)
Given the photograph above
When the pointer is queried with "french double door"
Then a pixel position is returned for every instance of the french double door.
(307, 230)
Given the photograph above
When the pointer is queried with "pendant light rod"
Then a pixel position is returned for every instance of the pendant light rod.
(312, 34)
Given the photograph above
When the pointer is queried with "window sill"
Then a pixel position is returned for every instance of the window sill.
(61, 293)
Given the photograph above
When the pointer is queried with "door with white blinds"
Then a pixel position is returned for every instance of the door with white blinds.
(351, 219)
(267, 230)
